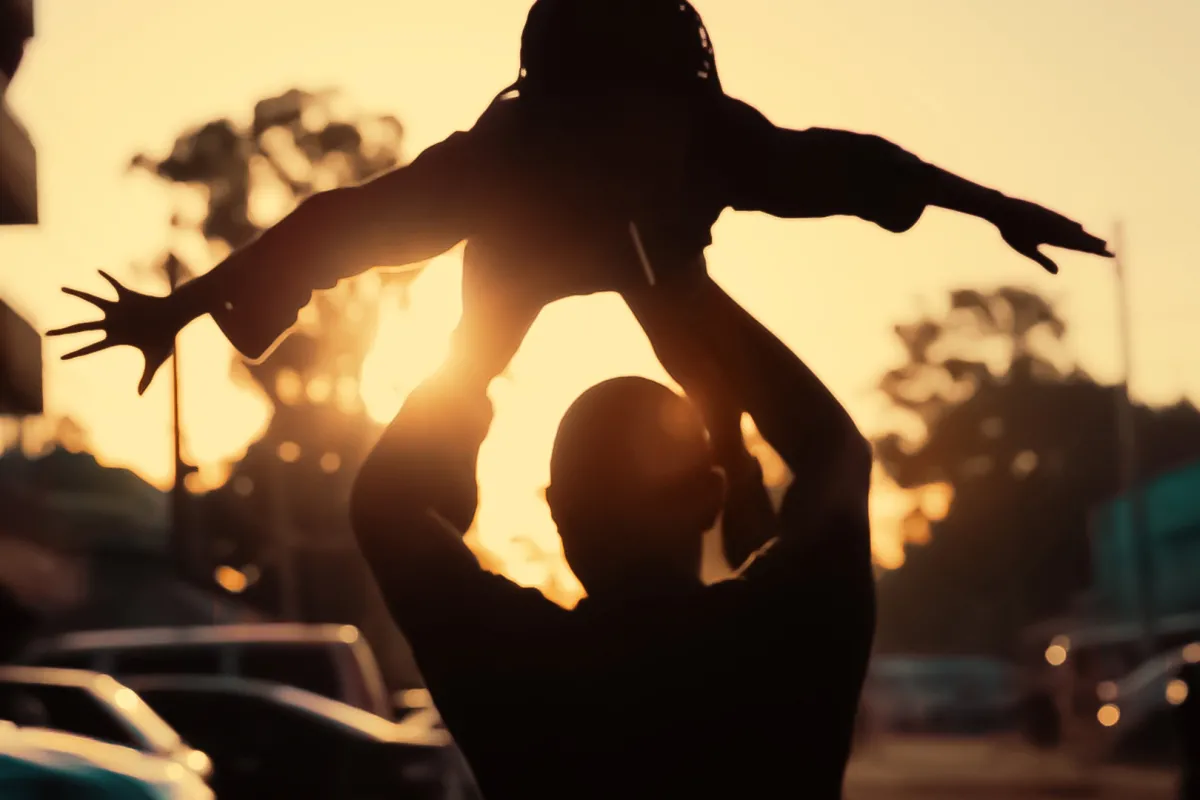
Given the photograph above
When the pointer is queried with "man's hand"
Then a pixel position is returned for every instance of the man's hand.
(1026, 226)
(135, 319)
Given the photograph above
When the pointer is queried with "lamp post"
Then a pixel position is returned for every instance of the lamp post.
(182, 542)
(1129, 458)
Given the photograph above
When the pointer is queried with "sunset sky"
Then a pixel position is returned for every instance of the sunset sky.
(1092, 108)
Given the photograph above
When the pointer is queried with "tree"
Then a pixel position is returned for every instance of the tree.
(1027, 442)
(284, 504)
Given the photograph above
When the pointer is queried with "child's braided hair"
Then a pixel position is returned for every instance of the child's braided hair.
(568, 44)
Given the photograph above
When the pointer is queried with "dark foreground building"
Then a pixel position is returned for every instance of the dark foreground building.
(18, 160)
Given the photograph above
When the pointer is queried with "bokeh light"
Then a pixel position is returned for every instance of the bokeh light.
(935, 501)
(289, 452)
(1108, 715)
(230, 579)
(1177, 692)
(126, 699)
(1056, 655)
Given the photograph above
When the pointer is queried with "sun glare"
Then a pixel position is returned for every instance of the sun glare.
(411, 341)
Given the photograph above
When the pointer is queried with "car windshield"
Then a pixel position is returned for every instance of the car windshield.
(305, 666)
(156, 733)
(70, 709)
(1155, 671)
(168, 660)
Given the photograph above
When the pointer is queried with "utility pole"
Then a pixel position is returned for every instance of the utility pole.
(182, 544)
(281, 524)
(1130, 458)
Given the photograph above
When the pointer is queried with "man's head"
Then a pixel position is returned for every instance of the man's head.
(569, 46)
(633, 486)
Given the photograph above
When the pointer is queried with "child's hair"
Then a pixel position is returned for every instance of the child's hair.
(568, 44)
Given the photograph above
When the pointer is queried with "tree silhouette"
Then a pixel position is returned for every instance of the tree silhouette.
(1028, 443)
(284, 503)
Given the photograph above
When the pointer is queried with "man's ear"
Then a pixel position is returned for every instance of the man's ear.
(549, 495)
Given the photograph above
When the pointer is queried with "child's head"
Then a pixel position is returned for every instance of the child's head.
(573, 47)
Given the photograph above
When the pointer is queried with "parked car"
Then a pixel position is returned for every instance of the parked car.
(945, 695)
(94, 706)
(268, 739)
(81, 729)
(333, 661)
(1137, 713)
(37, 763)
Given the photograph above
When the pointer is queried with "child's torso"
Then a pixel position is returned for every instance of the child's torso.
(587, 202)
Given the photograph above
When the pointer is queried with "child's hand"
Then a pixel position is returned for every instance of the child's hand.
(135, 319)
(1027, 226)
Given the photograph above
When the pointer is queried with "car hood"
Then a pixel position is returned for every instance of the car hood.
(68, 752)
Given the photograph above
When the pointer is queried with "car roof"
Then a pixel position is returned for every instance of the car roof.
(418, 731)
(54, 676)
(289, 633)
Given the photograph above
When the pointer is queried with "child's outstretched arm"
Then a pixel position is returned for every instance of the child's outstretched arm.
(819, 172)
(403, 217)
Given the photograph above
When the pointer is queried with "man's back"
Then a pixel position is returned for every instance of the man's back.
(725, 690)
(655, 686)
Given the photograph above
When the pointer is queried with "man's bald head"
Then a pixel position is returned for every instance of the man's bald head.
(633, 485)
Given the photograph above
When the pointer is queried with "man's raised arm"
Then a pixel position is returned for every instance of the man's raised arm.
(750, 369)
(413, 500)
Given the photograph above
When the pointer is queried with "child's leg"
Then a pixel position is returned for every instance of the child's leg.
(688, 364)
(427, 456)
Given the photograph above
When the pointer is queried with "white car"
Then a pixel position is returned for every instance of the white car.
(91, 761)
(334, 661)
(72, 719)
(270, 739)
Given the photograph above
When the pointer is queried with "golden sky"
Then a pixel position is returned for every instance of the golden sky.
(1092, 108)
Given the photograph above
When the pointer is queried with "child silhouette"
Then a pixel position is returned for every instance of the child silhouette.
(602, 168)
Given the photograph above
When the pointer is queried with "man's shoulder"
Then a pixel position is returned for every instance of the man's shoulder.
(639, 612)
(501, 590)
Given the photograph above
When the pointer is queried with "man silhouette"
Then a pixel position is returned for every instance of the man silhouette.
(654, 685)
(603, 168)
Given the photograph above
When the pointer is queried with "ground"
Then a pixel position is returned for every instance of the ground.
(999, 768)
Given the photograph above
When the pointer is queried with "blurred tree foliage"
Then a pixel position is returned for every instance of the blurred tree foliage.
(285, 500)
(1028, 442)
